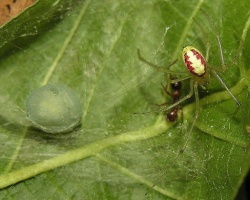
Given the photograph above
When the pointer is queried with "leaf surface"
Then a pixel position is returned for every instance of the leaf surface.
(117, 154)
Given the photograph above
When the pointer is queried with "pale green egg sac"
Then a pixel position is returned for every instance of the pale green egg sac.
(54, 108)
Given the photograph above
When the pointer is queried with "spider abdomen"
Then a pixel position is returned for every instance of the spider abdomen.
(194, 61)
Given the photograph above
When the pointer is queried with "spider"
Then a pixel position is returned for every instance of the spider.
(198, 74)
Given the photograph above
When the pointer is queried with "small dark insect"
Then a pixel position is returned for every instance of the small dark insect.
(175, 94)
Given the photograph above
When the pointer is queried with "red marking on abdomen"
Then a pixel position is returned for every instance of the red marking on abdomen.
(188, 63)
(199, 57)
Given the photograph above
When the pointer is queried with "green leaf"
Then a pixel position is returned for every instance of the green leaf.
(117, 154)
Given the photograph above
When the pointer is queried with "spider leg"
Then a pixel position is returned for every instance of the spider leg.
(193, 89)
(159, 68)
(179, 79)
(225, 86)
(196, 115)
(166, 108)
(223, 65)
(181, 100)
